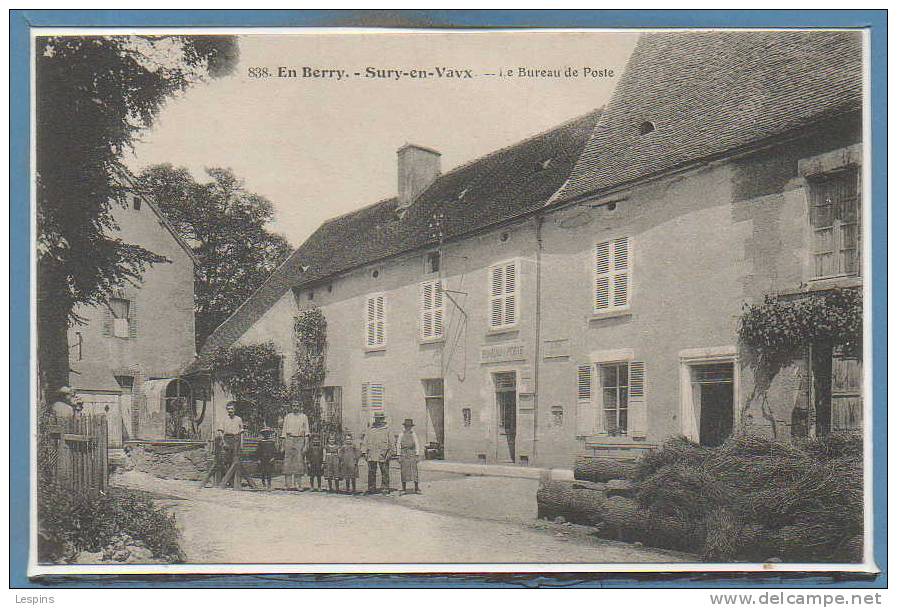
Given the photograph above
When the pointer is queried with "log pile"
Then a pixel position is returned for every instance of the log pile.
(602, 469)
(600, 496)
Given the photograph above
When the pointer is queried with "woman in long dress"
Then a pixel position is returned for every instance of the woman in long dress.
(295, 437)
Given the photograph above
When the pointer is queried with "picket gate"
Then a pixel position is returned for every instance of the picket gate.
(80, 446)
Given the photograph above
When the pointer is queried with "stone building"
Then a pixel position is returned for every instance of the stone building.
(125, 357)
(580, 291)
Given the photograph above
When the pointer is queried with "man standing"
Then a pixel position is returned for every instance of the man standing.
(231, 429)
(409, 454)
(377, 450)
(295, 437)
(64, 406)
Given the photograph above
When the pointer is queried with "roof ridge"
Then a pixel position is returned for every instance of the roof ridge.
(476, 160)
(348, 213)
(125, 174)
(520, 142)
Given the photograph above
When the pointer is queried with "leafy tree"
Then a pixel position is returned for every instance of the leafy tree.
(251, 373)
(94, 96)
(226, 227)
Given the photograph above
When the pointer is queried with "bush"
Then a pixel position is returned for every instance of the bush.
(753, 498)
(70, 523)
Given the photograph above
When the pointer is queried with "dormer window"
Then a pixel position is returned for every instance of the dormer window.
(646, 127)
(542, 165)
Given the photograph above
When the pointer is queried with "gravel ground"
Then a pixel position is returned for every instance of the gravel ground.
(457, 519)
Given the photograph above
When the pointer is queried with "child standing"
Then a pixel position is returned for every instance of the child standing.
(265, 455)
(348, 462)
(315, 457)
(331, 462)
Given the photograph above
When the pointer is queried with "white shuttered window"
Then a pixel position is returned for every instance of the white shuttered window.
(622, 399)
(432, 310)
(503, 295)
(375, 321)
(613, 275)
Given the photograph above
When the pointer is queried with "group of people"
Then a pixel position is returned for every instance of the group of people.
(333, 457)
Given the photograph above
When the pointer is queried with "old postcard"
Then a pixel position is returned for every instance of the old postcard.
(383, 300)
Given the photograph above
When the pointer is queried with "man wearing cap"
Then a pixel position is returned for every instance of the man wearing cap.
(378, 448)
(409, 454)
(64, 406)
(295, 436)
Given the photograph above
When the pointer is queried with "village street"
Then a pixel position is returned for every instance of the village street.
(224, 526)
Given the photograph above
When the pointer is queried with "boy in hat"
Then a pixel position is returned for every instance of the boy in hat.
(315, 457)
(348, 462)
(331, 462)
(378, 449)
(265, 454)
(409, 454)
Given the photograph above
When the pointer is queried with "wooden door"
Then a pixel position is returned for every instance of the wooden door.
(506, 403)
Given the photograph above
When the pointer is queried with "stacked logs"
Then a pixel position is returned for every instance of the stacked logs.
(601, 495)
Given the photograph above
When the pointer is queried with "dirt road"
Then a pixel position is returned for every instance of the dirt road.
(456, 520)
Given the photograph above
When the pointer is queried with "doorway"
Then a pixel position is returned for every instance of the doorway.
(506, 403)
(434, 399)
(713, 393)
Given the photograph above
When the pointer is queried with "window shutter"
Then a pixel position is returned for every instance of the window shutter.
(431, 310)
(510, 294)
(426, 310)
(132, 319)
(370, 322)
(438, 309)
(381, 320)
(496, 306)
(376, 398)
(638, 407)
(107, 320)
(585, 411)
(621, 272)
(612, 274)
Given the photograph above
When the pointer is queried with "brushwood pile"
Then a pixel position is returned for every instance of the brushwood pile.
(751, 499)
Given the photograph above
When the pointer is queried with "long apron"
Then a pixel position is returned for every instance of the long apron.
(408, 462)
(293, 458)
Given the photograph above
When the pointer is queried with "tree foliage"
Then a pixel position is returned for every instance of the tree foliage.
(226, 227)
(310, 334)
(833, 318)
(94, 96)
(781, 329)
(251, 373)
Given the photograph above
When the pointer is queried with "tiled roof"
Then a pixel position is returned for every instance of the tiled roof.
(510, 182)
(709, 93)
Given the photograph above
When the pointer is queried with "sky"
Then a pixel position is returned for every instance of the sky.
(318, 147)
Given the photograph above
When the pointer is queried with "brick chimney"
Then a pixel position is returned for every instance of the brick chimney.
(418, 168)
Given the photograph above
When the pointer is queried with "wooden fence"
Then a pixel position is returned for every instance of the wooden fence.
(78, 453)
